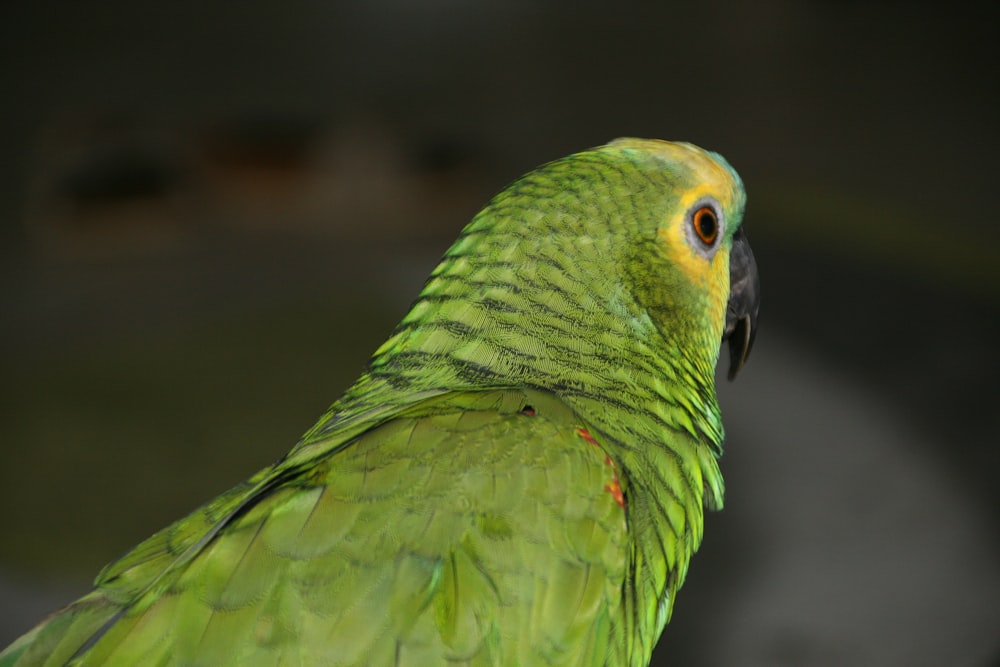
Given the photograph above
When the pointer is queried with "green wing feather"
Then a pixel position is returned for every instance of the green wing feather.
(477, 528)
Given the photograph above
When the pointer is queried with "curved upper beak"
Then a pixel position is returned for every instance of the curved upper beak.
(744, 302)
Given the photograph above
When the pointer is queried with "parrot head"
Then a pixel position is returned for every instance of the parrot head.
(621, 266)
(705, 216)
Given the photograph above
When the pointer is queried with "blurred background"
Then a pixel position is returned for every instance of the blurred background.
(211, 213)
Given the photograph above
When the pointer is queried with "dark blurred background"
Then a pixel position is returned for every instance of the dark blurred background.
(212, 212)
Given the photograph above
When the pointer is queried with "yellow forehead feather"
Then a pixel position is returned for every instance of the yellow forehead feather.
(709, 174)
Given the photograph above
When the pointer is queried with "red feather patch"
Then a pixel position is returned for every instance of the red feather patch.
(614, 487)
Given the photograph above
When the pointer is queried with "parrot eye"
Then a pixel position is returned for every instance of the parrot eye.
(705, 224)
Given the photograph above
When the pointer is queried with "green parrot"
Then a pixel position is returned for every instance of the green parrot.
(518, 477)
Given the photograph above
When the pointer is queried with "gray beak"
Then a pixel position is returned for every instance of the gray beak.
(744, 302)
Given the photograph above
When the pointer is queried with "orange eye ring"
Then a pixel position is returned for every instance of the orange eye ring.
(705, 223)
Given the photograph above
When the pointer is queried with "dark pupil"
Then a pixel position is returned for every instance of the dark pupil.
(706, 224)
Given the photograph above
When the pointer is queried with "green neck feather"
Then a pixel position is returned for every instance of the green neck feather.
(542, 289)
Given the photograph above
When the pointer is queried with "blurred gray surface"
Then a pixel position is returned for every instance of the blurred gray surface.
(851, 545)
